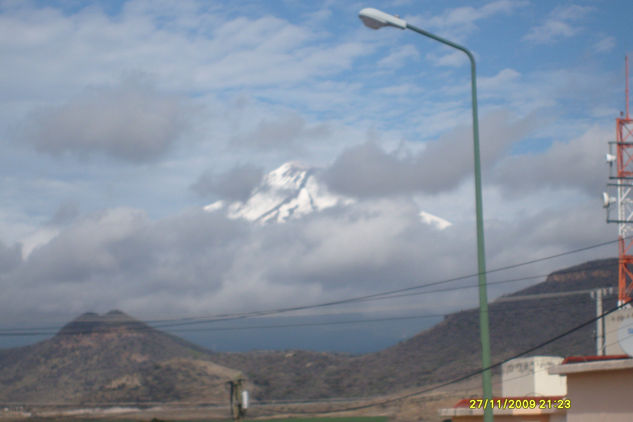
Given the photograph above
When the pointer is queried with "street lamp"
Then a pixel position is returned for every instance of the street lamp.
(375, 19)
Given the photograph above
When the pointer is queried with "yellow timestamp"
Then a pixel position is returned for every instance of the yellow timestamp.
(508, 403)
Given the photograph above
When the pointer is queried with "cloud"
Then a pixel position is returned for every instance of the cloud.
(119, 258)
(10, 257)
(131, 121)
(553, 227)
(560, 23)
(191, 46)
(199, 263)
(65, 213)
(452, 59)
(234, 184)
(285, 131)
(366, 170)
(604, 44)
(84, 249)
(502, 78)
(576, 164)
(463, 19)
(399, 57)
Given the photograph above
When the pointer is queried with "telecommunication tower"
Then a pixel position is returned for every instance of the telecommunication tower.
(622, 182)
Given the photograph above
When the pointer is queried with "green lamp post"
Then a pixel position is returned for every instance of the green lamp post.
(375, 19)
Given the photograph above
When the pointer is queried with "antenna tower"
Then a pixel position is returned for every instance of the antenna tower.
(622, 181)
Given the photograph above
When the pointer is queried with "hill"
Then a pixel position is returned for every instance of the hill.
(447, 350)
(114, 358)
(110, 358)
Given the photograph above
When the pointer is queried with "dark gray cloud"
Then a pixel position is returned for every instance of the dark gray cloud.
(10, 257)
(130, 121)
(284, 132)
(234, 184)
(65, 213)
(120, 259)
(577, 164)
(368, 171)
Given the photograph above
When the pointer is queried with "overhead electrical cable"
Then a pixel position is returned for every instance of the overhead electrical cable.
(167, 323)
(364, 298)
(137, 326)
(479, 371)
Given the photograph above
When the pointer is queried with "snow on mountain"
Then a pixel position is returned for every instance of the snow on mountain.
(289, 191)
(292, 191)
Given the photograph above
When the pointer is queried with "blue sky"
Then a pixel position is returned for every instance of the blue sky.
(113, 111)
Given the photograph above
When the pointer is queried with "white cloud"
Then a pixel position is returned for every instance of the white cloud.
(560, 23)
(183, 47)
(452, 59)
(604, 44)
(399, 57)
(402, 89)
(285, 131)
(502, 78)
(463, 20)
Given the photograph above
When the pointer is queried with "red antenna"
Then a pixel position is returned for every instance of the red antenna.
(626, 66)
(622, 181)
(624, 136)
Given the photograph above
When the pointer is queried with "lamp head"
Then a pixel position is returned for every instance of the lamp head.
(375, 19)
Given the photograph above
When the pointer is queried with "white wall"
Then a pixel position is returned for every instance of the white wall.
(529, 377)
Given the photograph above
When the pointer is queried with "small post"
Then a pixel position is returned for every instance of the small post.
(599, 323)
(238, 398)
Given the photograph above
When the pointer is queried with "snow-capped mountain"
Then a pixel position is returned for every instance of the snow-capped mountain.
(289, 191)
(292, 191)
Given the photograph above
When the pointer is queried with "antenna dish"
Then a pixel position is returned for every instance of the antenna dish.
(610, 158)
(607, 200)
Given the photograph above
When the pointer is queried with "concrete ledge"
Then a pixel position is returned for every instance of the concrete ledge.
(605, 365)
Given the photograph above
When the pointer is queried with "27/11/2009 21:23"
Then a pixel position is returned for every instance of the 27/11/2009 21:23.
(509, 403)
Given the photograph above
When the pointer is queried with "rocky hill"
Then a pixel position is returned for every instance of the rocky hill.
(114, 358)
(110, 358)
(447, 350)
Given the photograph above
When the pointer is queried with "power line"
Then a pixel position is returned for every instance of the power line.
(374, 296)
(39, 331)
(139, 326)
(164, 323)
(167, 323)
(476, 372)
(479, 371)
(545, 369)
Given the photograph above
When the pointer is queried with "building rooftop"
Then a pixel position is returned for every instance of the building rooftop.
(580, 359)
(578, 364)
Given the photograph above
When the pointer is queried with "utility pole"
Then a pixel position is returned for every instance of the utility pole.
(599, 324)
(596, 294)
(238, 398)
